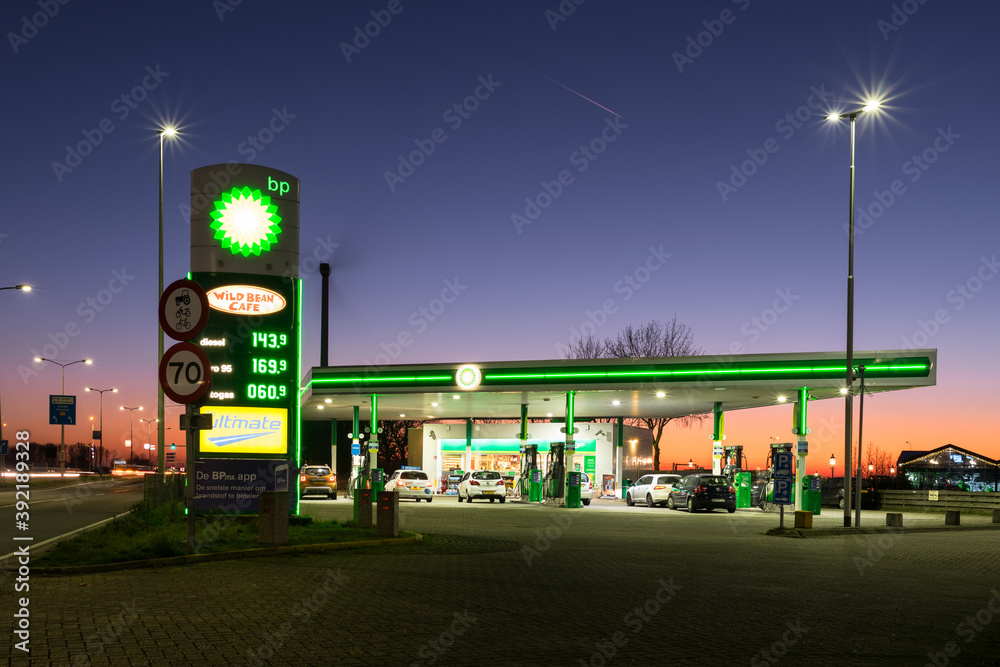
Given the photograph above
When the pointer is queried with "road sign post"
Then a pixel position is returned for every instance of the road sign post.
(185, 373)
(782, 493)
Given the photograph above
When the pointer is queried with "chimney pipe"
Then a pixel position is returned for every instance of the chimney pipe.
(324, 320)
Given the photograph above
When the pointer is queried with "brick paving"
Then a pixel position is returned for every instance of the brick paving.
(527, 585)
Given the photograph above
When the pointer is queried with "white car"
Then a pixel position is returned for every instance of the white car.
(586, 489)
(410, 484)
(652, 490)
(482, 484)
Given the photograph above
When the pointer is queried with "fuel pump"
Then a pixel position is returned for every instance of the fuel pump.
(531, 475)
(555, 477)
(735, 461)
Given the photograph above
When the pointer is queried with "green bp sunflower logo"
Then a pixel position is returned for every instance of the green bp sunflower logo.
(246, 222)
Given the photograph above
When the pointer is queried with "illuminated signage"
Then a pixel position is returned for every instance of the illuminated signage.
(245, 300)
(245, 221)
(251, 340)
(468, 377)
(245, 431)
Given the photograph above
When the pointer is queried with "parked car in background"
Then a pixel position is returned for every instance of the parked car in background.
(482, 484)
(317, 479)
(410, 484)
(831, 492)
(703, 492)
(651, 489)
(586, 489)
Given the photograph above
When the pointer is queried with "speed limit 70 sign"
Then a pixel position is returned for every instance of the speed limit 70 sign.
(185, 373)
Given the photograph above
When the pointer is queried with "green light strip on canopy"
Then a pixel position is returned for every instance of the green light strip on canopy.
(920, 368)
(901, 367)
(395, 378)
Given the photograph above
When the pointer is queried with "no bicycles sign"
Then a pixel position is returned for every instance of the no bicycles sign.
(183, 309)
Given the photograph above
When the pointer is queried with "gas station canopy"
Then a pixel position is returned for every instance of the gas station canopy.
(638, 387)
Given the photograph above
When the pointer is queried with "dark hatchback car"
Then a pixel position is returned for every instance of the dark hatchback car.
(832, 493)
(703, 492)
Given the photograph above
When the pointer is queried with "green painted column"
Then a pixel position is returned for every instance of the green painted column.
(718, 435)
(572, 494)
(333, 446)
(800, 430)
(468, 443)
(619, 454)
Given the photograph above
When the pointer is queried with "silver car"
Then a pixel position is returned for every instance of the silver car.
(652, 490)
(410, 484)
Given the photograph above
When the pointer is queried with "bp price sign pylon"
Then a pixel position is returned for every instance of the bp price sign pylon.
(245, 255)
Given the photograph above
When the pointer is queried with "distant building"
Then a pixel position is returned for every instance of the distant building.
(949, 467)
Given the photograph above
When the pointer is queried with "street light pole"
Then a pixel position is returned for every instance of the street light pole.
(131, 439)
(149, 455)
(849, 396)
(167, 131)
(100, 425)
(62, 427)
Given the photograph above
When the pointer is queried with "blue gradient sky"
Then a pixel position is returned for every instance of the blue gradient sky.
(775, 237)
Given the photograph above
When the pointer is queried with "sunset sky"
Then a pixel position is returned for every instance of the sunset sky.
(534, 156)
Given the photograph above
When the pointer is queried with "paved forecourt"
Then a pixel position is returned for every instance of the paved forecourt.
(515, 584)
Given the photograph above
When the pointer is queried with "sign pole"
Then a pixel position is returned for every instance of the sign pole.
(190, 442)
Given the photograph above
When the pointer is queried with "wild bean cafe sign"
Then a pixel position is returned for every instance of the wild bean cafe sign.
(245, 299)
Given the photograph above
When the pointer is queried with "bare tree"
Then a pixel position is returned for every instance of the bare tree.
(393, 442)
(653, 339)
(587, 348)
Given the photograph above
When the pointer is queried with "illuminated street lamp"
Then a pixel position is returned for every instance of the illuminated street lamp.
(131, 440)
(100, 425)
(62, 427)
(148, 445)
(849, 402)
(23, 288)
(833, 464)
(165, 132)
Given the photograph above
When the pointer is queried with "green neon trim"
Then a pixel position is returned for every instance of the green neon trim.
(696, 371)
(909, 366)
(363, 380)
(245, 221)
(298, 383)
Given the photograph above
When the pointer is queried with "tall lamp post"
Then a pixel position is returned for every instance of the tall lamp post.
(62, 427)
(131, 440)
(165, 132)
(23, 288)
(849, 402)
(149, 455)
(833, 464)
(100, 423)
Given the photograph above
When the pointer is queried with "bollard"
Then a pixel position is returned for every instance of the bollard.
(388, 514)
(952, 517)
(364, 508)
(894, 519)
(803, 519)
(272, 517)
(996, 516)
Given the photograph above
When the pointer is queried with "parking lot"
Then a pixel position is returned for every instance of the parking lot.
(518, 584)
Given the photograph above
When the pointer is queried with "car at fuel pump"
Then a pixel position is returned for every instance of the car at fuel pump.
(410, 484)
(703, 492)
(652, 490)
(317, 479)
(586, 489)
(482, 484)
